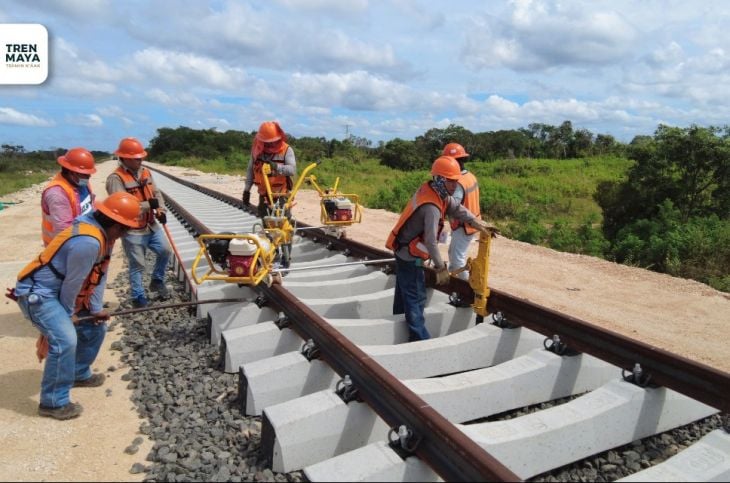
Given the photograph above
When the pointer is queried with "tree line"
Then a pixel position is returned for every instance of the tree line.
(537, 140)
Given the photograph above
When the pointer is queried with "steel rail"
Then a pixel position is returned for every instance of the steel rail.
(694, 379)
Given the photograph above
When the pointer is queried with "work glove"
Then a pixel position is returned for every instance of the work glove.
(154, 203)
(442, 275)
(101, 317)
(484, 227)
(162, 217)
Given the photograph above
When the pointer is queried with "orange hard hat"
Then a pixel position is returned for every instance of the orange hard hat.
(123, 208)
(447, 167)
(130, 148)
(455, 150)
(269, 132)
(78, 160)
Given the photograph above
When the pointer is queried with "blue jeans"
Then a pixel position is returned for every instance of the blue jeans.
(71, 349)
(410, 297)
(135, 247)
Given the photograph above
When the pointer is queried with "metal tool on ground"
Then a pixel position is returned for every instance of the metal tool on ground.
(479, 276)
(172, 242)
(337, 210)
(166, 306)
(41, 343)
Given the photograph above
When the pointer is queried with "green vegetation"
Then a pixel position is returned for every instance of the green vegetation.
(661, 202)
(19, 169)
(672, 212)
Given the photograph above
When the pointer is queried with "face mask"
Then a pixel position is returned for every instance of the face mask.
(439, 186)
(83, 182)
(272, 148)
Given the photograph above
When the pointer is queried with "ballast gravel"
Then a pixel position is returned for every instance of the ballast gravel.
(188, 405)
(191, 412)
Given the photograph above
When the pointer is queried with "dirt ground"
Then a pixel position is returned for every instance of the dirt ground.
(678, 315)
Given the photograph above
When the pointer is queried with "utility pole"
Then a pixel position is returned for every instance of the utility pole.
(347, 131)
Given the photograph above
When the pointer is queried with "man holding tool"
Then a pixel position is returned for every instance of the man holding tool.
(414, 240)
(64, 283)
(270, 147)
(466, 193)
(133, 178)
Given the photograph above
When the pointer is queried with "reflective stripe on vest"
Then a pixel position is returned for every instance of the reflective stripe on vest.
(470, 186)
(141, 188)
(47, 233)
(280, 184)
(416, 247)
(97, 271)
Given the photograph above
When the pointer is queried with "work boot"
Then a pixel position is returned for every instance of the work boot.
(140, 302)
(95, 380)
(159, 287)
(70, 410)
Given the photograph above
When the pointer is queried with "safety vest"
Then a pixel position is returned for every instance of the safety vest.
(470, 186)
(280, 184)
(73, 198)
(425, 194)
(83, 299)
(141, 188)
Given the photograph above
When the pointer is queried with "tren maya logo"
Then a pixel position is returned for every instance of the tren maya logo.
(23, 53)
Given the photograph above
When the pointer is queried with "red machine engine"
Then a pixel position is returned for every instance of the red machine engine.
(240, 257)
(342, 210)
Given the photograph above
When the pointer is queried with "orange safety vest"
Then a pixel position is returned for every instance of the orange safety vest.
(470, 186)
(141, 188)
(83, 299)
(73, 198)
(425, 194)
(280, 184)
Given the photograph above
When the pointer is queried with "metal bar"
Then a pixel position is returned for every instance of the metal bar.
(166, 306)
(333, 265)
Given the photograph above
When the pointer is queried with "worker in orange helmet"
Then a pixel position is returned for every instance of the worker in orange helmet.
(133, 178)
(68, 194)
(67, 282)
(269, 147)
(414, 240)
(466, 193)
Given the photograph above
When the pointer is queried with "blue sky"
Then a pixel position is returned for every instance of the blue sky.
(377, 69)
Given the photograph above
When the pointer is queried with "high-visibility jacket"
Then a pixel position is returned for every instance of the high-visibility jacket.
(424, 195)
(141, 188)
(83, 299)
(280, 184)
(47, 232)
(470, 186)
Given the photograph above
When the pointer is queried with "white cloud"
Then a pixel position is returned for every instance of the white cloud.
(178, 69)
(8, 115)
(86, 120)
(358, 91)
(349, 7)
(173, 98)
(540, 34)
(82, 88)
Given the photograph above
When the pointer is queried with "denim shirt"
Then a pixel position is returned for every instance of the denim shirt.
(74, 260)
